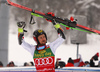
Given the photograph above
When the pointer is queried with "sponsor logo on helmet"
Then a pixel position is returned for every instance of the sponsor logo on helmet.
(40, 31)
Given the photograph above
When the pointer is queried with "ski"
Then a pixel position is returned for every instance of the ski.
(51, 17)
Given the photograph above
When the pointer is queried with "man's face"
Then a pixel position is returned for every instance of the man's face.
(42, 39)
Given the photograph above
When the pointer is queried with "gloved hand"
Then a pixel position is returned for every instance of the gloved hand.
(59, 30)
(21, 25)
(20, 30)
(57, 26)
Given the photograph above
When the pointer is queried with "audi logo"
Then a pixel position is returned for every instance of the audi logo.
(43, 61)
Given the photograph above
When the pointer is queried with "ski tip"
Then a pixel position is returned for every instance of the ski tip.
(67, 28)
(72, 18)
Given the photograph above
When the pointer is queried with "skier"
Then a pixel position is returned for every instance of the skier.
(43, 55)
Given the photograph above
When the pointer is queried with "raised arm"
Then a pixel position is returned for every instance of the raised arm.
(25, 45)
(55, 44)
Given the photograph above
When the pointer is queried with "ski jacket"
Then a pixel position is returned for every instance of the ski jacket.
(44, 59)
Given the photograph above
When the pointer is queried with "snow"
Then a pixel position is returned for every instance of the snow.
(19, 55)
(96, 5)
(74, 10)
(61, 10)
(85, 3)
(47, 7)
(36, 6)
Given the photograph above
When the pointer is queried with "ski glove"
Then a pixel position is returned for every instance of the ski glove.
(57, 26)
(20, 30)
(20, 38)
(21, 26)
(20, 35)
(59, 30)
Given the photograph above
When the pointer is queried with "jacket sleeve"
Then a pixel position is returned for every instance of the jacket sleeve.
(54, 45)
(30, 48)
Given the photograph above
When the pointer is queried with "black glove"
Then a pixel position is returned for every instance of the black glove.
(61, 33)
(59, 30)
(21, 24)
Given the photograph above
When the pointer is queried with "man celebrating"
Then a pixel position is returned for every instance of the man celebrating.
(43, 55)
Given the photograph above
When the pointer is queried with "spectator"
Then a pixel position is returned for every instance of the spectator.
(26, 64)
(78, 62)
(7, 65)
(1, 64)
(57, 62)
(95, 58)
(60, 64)
(70, 63)
(11, 64)
(99, 64)
(87, 64)
(32, 64)
(29, 64)
(92, 63)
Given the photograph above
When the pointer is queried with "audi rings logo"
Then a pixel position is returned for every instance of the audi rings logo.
(43, 61)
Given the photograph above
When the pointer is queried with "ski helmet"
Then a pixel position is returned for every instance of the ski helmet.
(38, 32)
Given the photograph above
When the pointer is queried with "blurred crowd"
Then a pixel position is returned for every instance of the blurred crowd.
(60, 64)
(12, 64)
(78, 62)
